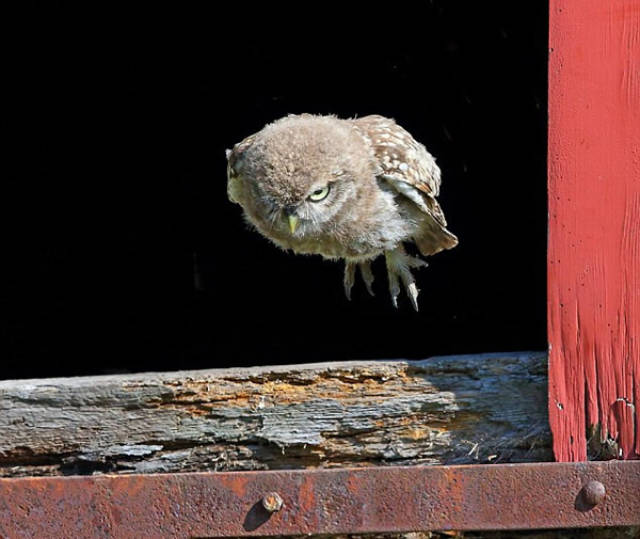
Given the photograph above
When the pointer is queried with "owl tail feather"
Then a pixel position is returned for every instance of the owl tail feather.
(435, 239)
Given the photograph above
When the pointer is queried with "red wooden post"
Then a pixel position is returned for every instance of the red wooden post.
(594, 225)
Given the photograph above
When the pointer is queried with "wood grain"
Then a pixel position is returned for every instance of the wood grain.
(459, 409)
(594, 228)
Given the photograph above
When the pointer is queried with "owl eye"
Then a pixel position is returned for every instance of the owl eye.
(319, 194)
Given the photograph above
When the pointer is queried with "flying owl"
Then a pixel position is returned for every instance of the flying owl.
(344, 189)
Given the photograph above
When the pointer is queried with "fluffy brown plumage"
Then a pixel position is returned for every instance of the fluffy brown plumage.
(344, 189)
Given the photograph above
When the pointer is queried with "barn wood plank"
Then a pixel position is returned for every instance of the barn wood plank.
(443, 410)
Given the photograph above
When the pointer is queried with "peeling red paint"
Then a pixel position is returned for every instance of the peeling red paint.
(594, 225)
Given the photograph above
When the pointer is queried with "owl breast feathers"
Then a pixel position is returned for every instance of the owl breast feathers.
(344, 189)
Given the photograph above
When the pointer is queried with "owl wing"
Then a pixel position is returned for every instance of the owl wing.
(400, 155)
(411, 170)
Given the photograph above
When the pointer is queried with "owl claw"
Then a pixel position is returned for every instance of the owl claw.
(399, 265)
(349, 278)
(367, 276)
(412, 292)
(394, 288)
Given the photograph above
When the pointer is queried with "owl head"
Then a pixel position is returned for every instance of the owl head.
(296, 175)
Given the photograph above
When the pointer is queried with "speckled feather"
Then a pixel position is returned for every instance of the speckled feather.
(399, 154)
(412, 171)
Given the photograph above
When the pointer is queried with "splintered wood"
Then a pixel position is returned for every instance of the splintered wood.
(447, 410)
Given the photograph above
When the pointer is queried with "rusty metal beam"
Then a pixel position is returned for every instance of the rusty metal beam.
(481, 497)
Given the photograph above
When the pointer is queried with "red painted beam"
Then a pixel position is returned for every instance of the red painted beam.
(594, 225)
(378, 499)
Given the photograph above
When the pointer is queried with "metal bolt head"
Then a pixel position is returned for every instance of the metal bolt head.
(594, 492)
(272, 502)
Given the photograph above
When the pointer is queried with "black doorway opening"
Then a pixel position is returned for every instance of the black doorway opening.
(125, 127)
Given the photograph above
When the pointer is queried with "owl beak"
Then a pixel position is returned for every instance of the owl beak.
(293, 223)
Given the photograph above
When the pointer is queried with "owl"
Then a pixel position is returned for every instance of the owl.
(349, 189)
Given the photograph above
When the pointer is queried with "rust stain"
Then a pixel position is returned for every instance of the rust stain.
(306, 499)
(352, 485)
(133, 485)
(237, 484)
(376, 499)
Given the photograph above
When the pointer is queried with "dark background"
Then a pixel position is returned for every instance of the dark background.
(122, 122)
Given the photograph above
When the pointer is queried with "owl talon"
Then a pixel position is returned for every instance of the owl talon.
(367, 276)
(349, 278)
(412, 292)
(399, 265)
(394, 286)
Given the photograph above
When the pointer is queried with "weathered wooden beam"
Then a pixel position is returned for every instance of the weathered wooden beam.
(443, 410)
